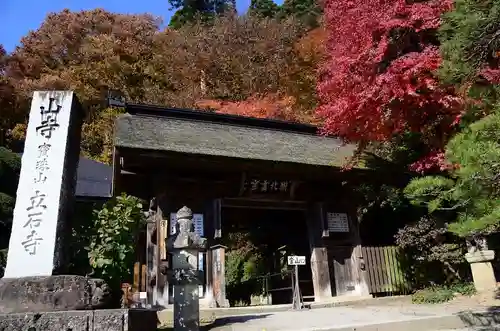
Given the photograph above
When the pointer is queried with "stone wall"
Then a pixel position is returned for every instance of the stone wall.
(90, 320)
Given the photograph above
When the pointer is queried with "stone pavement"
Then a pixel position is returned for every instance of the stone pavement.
(386, 317)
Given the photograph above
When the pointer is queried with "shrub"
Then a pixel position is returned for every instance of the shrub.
(440, 294)
(112, 248)
(437, 294)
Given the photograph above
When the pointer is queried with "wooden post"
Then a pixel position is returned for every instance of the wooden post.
(319, 254)
(218, 253)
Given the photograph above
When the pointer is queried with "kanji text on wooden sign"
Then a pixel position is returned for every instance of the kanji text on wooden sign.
(266, 186)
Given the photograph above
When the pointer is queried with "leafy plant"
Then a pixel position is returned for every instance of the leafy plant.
(437, 294)
(440, 294)
(472, 192)
(467, 289)
(111, 249)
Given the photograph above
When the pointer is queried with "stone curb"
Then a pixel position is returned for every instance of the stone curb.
(237, 311)
(456, 321)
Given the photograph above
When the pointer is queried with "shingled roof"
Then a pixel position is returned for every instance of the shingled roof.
(198, 132)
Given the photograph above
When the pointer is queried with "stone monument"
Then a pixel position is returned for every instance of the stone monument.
(46, 186)
(35, 294)
(185, 276)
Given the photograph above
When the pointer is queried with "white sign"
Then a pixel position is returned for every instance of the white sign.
(42, 186)
(337, 222)
(197, 222)
(296, 260)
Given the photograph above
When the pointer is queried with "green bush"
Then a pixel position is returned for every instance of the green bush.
(467, 289)
(440, 294)
(112, 249)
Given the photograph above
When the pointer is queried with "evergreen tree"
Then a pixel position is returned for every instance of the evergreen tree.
(263, 8)
(470, 40)
(308, 11)
(10, 165)
(190, 10)
(473, 189)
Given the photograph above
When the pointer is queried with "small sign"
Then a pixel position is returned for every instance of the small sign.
(296, 260)
(337, 222)
(143, 295)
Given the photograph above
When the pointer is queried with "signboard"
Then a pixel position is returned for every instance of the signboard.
(197, 222)
(266, 186)
(43, 185)
(296, 260)
(337, 222)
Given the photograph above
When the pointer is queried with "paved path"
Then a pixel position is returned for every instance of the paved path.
(332, 318)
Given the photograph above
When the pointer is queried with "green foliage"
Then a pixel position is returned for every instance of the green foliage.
(468, 40)
(433, 256)
(466, 289)
(191, 11)
(242, 266)
(112, 249)
(430, 191)
(469, 44)
(437, 294)
(308, 11)
(440, 294)
(10, 166)
(3, 261)
(263, 8)
(82, 233)
(473, 191)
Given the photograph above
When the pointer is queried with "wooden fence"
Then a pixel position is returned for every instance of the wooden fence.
(385, 270)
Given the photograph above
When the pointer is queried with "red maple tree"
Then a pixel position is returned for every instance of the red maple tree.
(379, 78)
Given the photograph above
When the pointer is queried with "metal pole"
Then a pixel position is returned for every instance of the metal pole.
(296, 303)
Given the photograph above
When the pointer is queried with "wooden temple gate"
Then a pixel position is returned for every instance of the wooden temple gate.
(210, 162)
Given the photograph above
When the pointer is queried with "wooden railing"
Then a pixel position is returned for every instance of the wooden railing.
(385, 270)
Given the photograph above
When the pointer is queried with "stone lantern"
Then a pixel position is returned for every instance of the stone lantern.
(184, 274)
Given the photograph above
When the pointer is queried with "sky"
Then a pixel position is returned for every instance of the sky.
(18, 17)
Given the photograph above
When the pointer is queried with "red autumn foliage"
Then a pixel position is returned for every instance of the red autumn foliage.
(270, 106)
(379, 77)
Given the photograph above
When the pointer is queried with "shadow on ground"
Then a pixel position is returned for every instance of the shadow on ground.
(228, 323)
(487, 320)
(234, 320)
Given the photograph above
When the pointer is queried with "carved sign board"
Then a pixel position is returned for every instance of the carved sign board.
(337, 222)
(263, 186)
(42, 187)
(197, 222)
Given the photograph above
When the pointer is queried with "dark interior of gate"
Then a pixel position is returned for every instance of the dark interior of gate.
(262, 190)
(259, 239)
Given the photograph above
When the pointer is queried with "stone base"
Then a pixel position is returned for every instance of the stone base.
(97, 320)
(52, 293)
(482, 270)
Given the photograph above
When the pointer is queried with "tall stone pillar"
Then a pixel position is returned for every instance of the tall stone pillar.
(40, 228)
(184, 275)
